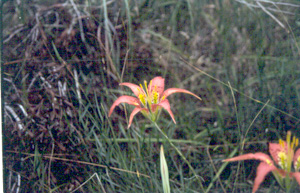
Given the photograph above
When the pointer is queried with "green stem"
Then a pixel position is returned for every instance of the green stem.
(181, 155)
(155, 140)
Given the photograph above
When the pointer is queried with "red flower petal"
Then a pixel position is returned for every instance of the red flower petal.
(274, 149)
(157, 83)
(175, 90)
(166, 105)
(296, 156)
(257, 156)
(297, 176)
(135, 88)
(133, 113)
(262, 170)
(124, 99)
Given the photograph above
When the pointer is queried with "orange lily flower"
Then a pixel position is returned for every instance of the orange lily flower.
(149, 100)
(284, 156)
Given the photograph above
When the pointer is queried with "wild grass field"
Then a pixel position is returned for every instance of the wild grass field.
(63, 61)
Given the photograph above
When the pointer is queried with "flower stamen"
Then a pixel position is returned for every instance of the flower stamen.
(155, 96)
(143, 99)
(294, 142)
(281, 143)
(282, 160)
(146, 87)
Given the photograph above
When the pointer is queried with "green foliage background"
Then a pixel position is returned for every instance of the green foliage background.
(63, 61)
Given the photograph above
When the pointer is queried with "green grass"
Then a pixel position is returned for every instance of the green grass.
(237, 58)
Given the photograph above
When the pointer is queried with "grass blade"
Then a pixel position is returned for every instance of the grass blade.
(164, 171)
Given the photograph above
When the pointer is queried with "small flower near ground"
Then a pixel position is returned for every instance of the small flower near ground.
(285, 165)
(149, 99)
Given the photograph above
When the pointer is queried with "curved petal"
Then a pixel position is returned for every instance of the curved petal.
(166, 105)
(262, 170)
(157, 84)
(133, 113)
(297, 176)
(297, 160)
(175, 90)
(257, 156)
(124, 99)
(154, 107)
(137, 90)
(274, 149)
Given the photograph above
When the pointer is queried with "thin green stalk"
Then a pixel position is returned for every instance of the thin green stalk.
(181, 155)
(154, 140)
(240, 133)
(129, 23)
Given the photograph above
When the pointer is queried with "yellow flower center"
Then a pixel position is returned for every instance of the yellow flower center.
(282, 160)
(142, 98)
(146, 97)
(155, 96)
(286, 156)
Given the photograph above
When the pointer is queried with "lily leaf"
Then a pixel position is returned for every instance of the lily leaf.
(164, 171)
